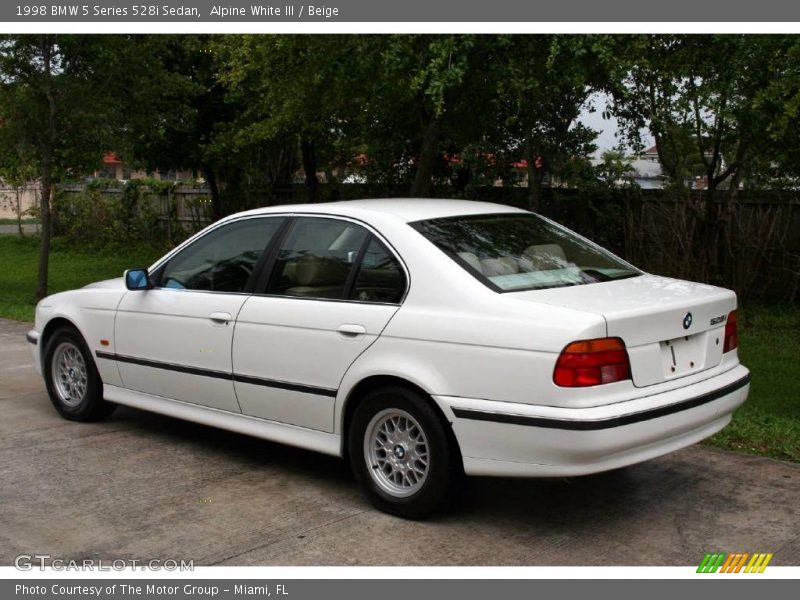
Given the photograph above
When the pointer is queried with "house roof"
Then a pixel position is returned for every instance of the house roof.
(111, 158)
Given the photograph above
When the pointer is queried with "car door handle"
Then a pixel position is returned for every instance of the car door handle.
(221, 318)
(351, 330)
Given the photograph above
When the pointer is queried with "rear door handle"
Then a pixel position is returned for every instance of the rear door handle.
(220, 318)
(351, 330)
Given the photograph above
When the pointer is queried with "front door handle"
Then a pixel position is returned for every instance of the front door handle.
(220, 318)
(351, 330)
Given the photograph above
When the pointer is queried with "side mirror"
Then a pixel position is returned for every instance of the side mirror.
(138, 279)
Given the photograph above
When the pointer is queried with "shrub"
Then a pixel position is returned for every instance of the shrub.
(110, 214)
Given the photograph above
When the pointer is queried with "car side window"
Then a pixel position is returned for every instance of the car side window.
(316, 258)
(222, 260)
(380, 277)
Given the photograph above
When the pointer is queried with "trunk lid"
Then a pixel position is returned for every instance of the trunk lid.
(672, 328)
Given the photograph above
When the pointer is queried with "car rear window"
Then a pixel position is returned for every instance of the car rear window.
(522, 251)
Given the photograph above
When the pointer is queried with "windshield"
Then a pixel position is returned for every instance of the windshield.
(515, 252)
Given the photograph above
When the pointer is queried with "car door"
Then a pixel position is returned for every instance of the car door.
(332, 289)
(175, 340)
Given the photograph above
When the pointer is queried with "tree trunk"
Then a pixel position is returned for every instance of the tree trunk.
(709, 234)
(310, 168)
(535, 177)
(421, 187)
(44, 249)
(19, 210)
(48, 145)
(217, 211)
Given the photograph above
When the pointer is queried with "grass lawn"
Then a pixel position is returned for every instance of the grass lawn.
(768, 424)
(69, 269)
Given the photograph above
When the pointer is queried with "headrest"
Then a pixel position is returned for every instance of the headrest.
(544, 256)
(505, 265)
(472, 260)
(314, 271)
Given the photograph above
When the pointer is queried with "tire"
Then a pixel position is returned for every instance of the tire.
(402, 453)
(71, 377)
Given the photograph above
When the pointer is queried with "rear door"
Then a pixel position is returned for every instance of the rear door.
(332, 289)
(175, 340)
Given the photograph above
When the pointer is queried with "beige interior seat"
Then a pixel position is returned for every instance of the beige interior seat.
(472, 260)
(505, 265)
(543, 257)
(322, 277)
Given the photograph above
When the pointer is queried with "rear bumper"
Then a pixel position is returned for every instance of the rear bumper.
(509, 439)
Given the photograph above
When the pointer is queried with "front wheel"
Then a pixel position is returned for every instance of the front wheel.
(72, 380)
(401, 453)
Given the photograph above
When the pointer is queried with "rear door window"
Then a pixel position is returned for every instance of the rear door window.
(316, 259)
(380, 277)
(335, 259)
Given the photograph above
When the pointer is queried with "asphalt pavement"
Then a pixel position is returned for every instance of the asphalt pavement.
(142, 486)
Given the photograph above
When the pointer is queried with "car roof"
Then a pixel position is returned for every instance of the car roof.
(405, 209)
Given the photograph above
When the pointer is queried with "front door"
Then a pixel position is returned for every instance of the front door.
(175, 340)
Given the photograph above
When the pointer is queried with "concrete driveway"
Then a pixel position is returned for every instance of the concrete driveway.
(144, 486)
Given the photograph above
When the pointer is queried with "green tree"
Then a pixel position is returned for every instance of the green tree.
(711, 103)
(178, 111)
(18, 169)
(422, 95)
(297, 93)
(780, 97)
(544, 84)
(60, 96)
(615, 169)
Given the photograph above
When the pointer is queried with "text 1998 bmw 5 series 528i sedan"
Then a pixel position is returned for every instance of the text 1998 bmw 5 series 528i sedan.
(420, 339)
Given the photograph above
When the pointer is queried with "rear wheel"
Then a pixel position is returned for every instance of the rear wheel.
(72, 380)
(401, 453)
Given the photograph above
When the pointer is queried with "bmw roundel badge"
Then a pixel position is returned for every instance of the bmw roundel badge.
(687, 320)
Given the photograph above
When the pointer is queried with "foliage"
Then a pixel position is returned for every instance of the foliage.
(17, 170)
(63, 101)
(411, 114)
(615, 169)
(109, 215)
(544, 82)
(703, 99)
(711, 102)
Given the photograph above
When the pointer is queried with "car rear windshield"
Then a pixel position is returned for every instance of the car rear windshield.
(518, 251)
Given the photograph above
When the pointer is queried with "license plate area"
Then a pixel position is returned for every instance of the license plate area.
(684, 355)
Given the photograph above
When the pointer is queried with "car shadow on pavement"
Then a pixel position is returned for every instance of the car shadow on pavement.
(551, 503)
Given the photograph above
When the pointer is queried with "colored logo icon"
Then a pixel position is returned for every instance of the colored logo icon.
(736, 562)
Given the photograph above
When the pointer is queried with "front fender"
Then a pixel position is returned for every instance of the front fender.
(92, 312)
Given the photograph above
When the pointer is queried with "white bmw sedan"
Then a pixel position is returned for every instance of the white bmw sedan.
(419, 339)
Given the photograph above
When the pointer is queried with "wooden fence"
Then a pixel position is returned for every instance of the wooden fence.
(651, 228)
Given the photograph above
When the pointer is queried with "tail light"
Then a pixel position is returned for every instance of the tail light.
(592, 362)
(731, 333)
